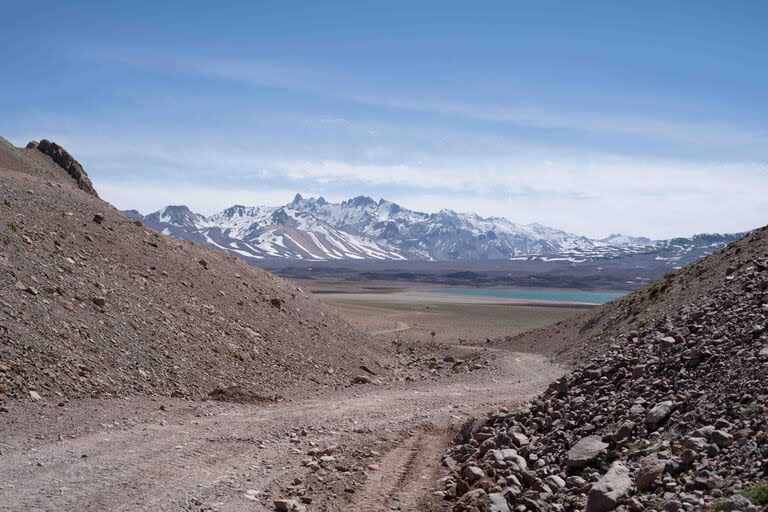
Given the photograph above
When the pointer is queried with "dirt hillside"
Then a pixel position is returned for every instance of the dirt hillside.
(95, 304)
(581, 337)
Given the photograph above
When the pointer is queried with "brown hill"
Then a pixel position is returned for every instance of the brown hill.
(579, 338)
(95, 304)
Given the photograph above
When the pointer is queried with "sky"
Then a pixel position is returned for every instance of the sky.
(596, 117)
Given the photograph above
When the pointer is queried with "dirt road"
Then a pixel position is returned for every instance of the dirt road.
(165, 454)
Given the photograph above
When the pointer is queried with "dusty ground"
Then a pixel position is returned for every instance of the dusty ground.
(172, 454)
(453, 319)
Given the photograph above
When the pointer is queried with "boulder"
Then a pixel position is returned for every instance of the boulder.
(585, 450)
(721, 438)
(624, 431)
(498, 502)
(648, 472)
(613, 487)
(659, 413)
(472, 473)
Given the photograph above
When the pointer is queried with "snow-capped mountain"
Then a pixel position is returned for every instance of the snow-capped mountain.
(364, 229)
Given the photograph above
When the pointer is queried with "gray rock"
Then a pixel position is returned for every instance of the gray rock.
(695, 443)
(472, 473)
(586, 450)
(737, 502)
(555, 482)
(667, 342)
(721, 438)
(612, 488)
(688, 456)
(498, 502)
(705, 432)
(517, 460)
(659, 413)
(624, 431)
(475, 498)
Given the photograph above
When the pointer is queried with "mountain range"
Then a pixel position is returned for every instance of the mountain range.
(362, 228)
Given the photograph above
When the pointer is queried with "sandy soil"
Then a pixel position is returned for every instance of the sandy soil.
(172, 454)
(455, 319)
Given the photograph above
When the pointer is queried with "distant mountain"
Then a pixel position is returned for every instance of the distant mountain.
(364, 229)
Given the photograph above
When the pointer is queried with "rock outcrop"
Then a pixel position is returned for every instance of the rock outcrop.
(672, 416)
(63, 159)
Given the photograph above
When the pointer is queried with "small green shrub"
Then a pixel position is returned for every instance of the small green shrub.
(752, 410)
(757, 494)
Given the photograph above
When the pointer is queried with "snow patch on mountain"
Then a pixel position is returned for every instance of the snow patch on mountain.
(362, 228)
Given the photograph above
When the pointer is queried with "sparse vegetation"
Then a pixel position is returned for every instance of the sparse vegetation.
(659, 287)
(757, 494)
(752, 410)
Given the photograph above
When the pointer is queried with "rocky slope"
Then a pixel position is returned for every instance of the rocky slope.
(578, 338)
(95, 304)
(363, 229)
(670, 416)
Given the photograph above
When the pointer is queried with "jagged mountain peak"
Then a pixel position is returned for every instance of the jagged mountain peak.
(621, 239)
(176, 215)
(359, 201)
(364, 228)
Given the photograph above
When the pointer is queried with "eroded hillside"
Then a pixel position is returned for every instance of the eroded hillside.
(95, 304)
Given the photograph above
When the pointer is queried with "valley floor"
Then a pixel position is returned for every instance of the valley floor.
(382, 443)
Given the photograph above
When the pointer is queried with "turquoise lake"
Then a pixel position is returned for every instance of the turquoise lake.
(543, 295)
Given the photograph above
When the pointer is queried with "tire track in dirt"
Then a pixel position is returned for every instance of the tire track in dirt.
(405, 472)
(401, 326)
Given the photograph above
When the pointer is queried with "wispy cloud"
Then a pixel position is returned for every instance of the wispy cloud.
(348, 87)
(700, 133)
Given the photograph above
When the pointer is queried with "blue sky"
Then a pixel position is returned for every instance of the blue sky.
(596, 117)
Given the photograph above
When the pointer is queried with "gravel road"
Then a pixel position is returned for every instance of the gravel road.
(166, 454)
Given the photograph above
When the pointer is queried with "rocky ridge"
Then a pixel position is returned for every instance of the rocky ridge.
(361, 228)
(672, 416)
(63, 159)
